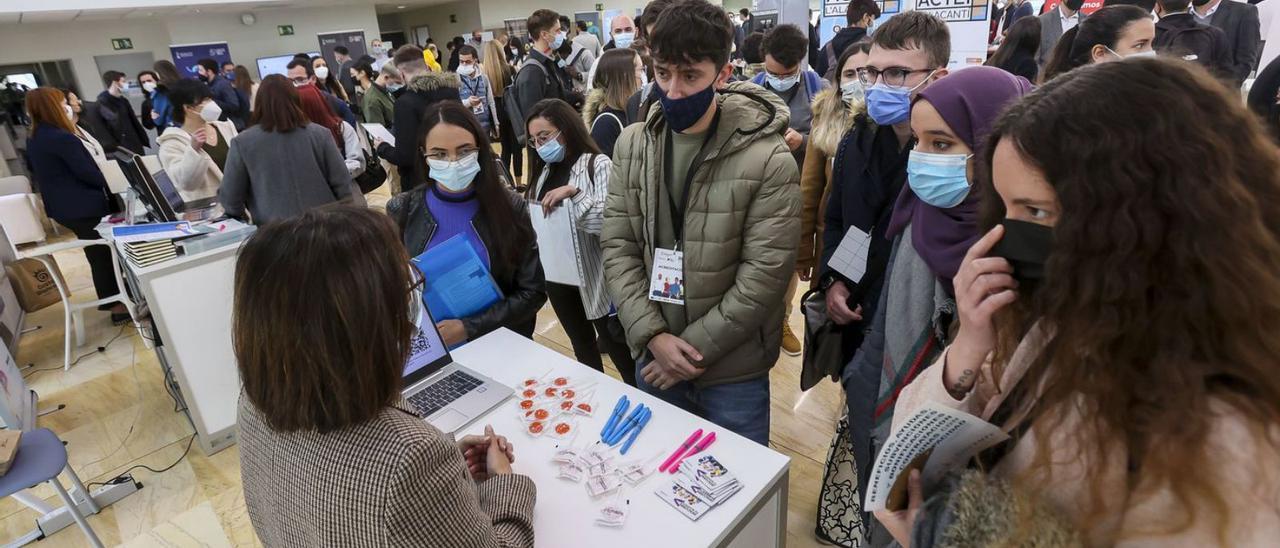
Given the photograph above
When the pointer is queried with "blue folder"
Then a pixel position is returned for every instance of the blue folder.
(457, 284)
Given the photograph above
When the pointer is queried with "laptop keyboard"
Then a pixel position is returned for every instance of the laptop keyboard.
(444, 392)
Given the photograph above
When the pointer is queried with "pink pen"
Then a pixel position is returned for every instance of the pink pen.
(683, 447)
(706, 442)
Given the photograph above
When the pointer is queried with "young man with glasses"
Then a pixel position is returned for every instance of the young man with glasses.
(908, 53)
(703, 197)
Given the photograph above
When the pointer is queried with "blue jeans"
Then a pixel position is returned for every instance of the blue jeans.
(741, 407)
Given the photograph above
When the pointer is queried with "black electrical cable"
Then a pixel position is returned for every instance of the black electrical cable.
(102, 348)
(124, 476)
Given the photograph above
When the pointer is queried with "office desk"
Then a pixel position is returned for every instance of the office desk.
(565, 514)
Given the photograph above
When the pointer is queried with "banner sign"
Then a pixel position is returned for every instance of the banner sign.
(352, 39)
(185, 56)
(966, 19)
(1087, 8)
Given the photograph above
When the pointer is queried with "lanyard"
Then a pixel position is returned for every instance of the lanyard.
(677, 212)
(474, 88)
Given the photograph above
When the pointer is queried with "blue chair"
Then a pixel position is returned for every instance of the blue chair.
(41, 457)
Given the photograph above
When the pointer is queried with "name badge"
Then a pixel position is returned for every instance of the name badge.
(667, 283)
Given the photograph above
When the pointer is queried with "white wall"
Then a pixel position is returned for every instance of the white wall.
(437, 17)
(79, 41)
(494, 12)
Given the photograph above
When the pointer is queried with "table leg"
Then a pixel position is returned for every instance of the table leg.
(782, 508)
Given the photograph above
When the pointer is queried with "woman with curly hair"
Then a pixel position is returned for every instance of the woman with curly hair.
(1119, 317)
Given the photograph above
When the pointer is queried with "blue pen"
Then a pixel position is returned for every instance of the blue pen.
(618, 410)
(619, 431)
(635, 432)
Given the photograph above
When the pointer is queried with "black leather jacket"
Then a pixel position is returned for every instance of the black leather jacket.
(523, 286)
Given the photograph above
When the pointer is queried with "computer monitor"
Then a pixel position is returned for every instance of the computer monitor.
(278, 64)
(427, 352)
(156, 201)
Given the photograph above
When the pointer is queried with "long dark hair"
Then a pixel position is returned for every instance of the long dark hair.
(577, 140)
(510, 236)
(1024, 36)
(243, 81)
(1103, 27)
(1161, 292)
(166, 72)
(277, 108)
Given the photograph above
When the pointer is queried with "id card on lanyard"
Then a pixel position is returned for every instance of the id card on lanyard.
(667, 283)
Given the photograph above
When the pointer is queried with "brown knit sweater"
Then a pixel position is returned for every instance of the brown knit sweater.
(393, 481)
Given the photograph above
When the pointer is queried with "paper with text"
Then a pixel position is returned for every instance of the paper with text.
(953, 436)
(556, 248)
(379, 131)
(850, 257)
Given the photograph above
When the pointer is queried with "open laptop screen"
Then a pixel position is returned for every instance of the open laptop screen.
(427, 352)
(167, 190)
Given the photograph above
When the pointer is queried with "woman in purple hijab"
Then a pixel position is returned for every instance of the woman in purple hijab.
(934, 222)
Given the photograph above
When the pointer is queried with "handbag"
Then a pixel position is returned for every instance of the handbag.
(34, 284)
(839, 519)
(374, 174)
(823, 350)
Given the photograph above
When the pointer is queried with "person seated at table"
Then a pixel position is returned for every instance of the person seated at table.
(464, 196)
(331, 454)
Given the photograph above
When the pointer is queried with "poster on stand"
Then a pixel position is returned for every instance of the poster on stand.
(966, 19)
(352, 39)
(185, 56)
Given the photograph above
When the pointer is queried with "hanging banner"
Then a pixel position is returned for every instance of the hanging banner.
(185, 56)
(966, 19)
(1087, 8)
(352, 39)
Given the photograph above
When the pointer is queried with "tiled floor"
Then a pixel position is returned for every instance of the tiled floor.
(118, 415)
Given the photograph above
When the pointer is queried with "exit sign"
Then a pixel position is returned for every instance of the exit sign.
(285, 30)
(121, 43)
(599, 7)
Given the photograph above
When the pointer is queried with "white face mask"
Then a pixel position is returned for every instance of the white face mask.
(644, 78)
(322, 73)
(149, 86)
(210, 112)
(466, 70)
(71, 114)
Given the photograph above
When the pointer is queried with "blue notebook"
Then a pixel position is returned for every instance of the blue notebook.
(457, 282)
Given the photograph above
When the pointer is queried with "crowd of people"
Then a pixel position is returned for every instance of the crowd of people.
(1072, 243)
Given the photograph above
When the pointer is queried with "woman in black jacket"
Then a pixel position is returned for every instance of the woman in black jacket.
(1017, 54)
(71, 184)
(465, 202)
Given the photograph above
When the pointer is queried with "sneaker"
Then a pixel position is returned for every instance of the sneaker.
(790, 344)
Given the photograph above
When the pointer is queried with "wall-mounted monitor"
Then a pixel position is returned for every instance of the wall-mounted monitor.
(278, 64)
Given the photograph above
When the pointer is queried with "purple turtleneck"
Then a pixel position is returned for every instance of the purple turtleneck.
(453, 213)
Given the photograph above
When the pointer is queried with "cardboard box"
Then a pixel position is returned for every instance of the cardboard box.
(8, 448)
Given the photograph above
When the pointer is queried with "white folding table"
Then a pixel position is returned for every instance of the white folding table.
(565, 514)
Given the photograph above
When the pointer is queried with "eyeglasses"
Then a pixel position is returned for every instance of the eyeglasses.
(544, 138)
(892, 76)
(442, 156)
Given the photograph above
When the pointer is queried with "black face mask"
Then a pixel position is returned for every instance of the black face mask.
(1026, 246)
(1073, 5)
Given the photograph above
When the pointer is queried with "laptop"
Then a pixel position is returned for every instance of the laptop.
(448, 394)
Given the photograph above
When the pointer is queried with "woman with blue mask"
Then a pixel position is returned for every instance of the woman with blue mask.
(576, 178)
(934, 222)
(466, 200)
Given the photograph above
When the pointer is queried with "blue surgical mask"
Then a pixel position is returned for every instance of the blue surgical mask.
(781, 84)
(890, 105)
(394, 87)
(455, 176)
(683, 113)
(551, 151)
(558, 41)
(624, 39)
(852, 91)
(940, 180)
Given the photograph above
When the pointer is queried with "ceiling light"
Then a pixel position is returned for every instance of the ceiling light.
(399, 7)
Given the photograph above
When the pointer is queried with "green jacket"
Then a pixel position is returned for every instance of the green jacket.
(742, 228)
(377, 106)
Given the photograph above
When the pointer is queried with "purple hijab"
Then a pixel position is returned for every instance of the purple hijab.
(969, 100)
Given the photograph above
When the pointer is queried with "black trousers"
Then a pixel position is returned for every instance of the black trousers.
(567, 302)
(512, 152)
(99, 256)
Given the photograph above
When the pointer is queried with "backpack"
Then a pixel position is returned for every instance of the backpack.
(515, 111)
(1196, 44)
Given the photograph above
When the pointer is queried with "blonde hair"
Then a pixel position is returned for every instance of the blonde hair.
(495, 67)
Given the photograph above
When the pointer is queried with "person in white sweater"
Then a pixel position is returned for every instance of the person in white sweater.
(194, 151)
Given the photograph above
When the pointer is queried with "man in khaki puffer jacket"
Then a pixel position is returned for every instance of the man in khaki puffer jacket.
(737, 228)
